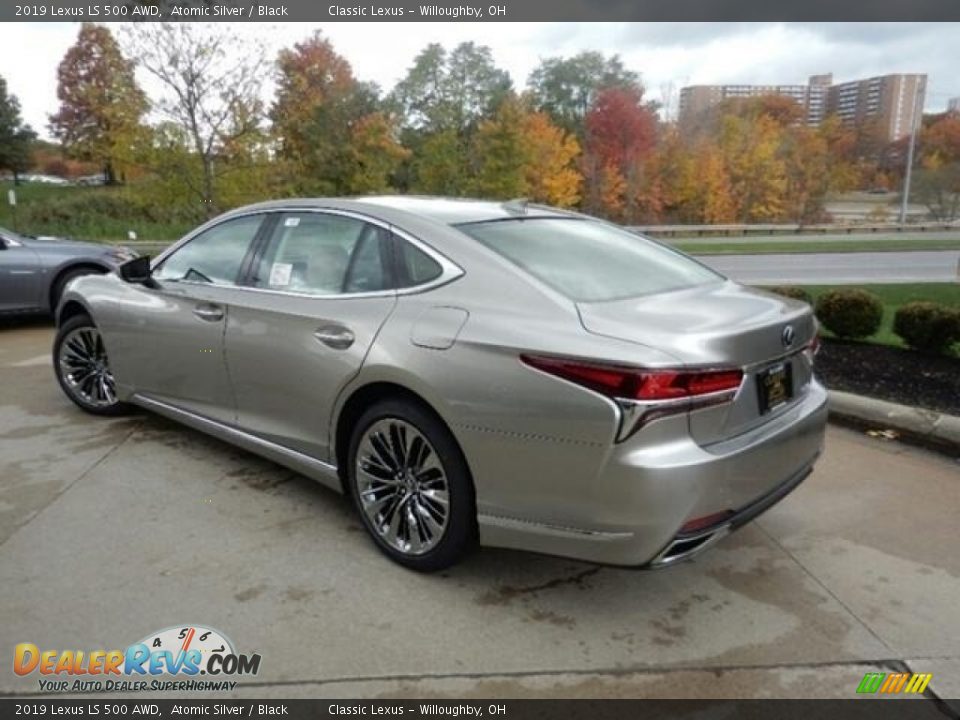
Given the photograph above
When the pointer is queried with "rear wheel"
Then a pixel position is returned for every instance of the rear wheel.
(83, 369)
(411, 486)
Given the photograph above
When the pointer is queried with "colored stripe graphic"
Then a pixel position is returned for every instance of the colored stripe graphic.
(892, 683)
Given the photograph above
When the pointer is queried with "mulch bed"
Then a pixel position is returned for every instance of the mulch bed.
(888, 373)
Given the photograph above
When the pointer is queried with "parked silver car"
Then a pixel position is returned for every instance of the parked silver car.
(34, 271)
(466, 371)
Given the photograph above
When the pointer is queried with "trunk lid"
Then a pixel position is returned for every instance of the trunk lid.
(716, 326)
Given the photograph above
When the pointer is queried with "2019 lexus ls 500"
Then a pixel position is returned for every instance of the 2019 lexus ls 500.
(469, 372)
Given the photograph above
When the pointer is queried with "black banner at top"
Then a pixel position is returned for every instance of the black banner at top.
(479, 10)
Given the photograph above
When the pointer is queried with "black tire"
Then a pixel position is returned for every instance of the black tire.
(57, 292)
(71, 389)
(459, 536)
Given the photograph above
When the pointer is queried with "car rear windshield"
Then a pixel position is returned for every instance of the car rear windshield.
(588, 260)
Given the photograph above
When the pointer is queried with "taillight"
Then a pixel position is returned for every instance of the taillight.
(812, 348)
(627, 383)
(644, 394)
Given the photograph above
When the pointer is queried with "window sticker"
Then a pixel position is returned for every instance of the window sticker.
(291, 222)
(280, 274)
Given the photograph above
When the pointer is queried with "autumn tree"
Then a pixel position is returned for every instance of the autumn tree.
(210, 80)
(680, 175)
(551, 156)
(565, 88)
(715, 196)
(620, 138)
(937, 185)
(937, 181)
(940, 138)
(15, 135)
(841, 163)
(807, 175)
(101, 104)
(333, 132)
(750, 147)
(309, 75)
(375, 155)
(695, 184)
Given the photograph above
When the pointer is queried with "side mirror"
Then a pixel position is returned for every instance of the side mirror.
(137, 271)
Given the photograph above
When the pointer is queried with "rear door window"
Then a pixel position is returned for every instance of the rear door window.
(315, 253)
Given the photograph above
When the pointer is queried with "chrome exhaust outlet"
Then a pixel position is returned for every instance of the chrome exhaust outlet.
(684, 547)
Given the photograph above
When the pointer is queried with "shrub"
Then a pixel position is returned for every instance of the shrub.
(792, 291)
(850, 313)
(928, 326)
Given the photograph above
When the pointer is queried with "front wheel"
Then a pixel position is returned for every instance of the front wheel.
(83, 369)
(411, 486)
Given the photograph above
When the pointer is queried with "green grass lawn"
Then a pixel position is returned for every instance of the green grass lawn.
(865, 245)
(892, 297)
(86, 213)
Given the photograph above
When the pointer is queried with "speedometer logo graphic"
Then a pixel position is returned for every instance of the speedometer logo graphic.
(180, 639)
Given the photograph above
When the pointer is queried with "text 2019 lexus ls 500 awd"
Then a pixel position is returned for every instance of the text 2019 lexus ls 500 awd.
(469, 372)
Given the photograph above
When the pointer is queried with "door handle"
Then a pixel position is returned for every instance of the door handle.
(208, 312)
(336, 336)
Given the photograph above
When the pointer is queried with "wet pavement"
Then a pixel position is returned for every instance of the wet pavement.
(112, 529)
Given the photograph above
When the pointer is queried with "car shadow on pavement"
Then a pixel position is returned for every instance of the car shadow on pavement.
(26, 321)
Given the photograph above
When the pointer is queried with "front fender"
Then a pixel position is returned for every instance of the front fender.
(53, 274)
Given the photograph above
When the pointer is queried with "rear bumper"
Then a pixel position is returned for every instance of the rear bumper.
(649, 486)
(686, 545)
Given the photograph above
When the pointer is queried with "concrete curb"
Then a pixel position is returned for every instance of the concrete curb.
(925, 427)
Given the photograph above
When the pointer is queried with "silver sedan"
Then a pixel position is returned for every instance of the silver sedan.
(467, 372)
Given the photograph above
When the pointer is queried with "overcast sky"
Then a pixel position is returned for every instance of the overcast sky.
(669, 55)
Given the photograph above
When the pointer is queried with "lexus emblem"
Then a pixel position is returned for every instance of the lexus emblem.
(787, 336)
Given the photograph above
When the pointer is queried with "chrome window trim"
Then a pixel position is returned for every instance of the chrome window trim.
(209, 225)
(450, 271)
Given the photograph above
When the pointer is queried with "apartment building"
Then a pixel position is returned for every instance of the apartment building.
(891, 101)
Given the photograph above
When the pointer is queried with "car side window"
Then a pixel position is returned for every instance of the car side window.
(323, 254)
(215, 255)
(416, 267)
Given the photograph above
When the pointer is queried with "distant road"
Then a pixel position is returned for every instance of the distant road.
(879, 237)
(838, 268)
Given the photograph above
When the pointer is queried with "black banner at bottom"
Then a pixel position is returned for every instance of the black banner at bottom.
(854, 709)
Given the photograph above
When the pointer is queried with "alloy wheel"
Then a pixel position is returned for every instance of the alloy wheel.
(84, 368)
(402, 486)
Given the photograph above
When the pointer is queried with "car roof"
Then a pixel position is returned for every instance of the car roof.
(454, 211)
(448, 211)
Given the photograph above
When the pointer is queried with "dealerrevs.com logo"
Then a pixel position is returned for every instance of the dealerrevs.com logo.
(188, 657)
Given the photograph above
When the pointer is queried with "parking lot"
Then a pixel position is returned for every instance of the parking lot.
(112, 529)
